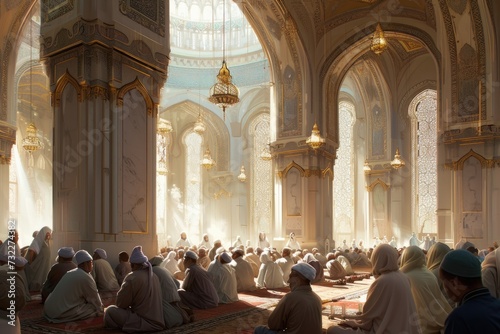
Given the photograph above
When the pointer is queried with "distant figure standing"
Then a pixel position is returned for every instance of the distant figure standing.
(292, 243)
(39, 259)
(414, 240)
(205, 242)
(263, 242)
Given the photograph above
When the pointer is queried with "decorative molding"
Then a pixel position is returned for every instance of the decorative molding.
(484, 133)
(7, 139)
(64, 80)
(136, 84)
(377, 182)
(53, 9)
(149, 14)
(459, 164)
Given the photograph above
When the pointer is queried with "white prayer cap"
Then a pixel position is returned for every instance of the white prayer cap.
(66, 252)
(226, 257)
(82, 256)
(220, 250)
(305, 270)
(101, 252)
(191, 255)
(20, 261)
(217, 242)
(138, 256)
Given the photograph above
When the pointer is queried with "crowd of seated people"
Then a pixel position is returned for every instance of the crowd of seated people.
(161, 291)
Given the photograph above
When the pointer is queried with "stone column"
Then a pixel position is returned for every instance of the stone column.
(106, 65)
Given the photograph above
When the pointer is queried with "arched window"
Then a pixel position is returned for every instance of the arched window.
(424, 143)
(193, 198)
(262, 178)
(343, 190)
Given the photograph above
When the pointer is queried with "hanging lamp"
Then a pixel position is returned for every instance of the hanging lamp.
(242, 177)
(207, 162)
(379, 43)
(398, 162)
(224, 93)
(315, 140)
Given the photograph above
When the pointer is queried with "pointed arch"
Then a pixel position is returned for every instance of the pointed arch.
(291, 165)
(485, 163)
(136, 84)
(64, 80)
(377, 182)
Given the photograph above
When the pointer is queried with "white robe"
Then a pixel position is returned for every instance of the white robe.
(224, 279)
(270, 274)
(75, 297)
(286, 264)
(104, 276)
(244, 275)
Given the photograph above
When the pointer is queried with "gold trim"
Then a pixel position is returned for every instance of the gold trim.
(291, 165)
(327, 172)
(62, 82)
(136, 84)
(377, 182)
(485, 163)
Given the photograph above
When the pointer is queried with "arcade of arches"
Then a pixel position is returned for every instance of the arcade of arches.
(97, 77)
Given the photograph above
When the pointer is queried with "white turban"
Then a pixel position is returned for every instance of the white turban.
(82, 256)
(101, 252)
(305, 270)
(66, 252)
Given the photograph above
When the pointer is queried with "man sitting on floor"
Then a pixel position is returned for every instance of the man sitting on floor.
(75, 297)
(139, 301)
(477, 311)
(285, 263)
(123, 268)
(244, 273)
(197, 289)
(224, 278)
(103, 273)
(57, 271)
(299, 311)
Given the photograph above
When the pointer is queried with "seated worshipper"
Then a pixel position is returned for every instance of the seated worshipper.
(320, 273)
(285, 263)
(139, 305)
(172, 312)
(75, 297)
(122, 268)
(237, 243)
(170, 263)
(360, 261)
(254, 260)
(389, 305)
(197, 290)
(489, 273)
(213, 250)
(270, 274)
(11, 303)
(299, 311)
(320, 257)
(64, 264)
(434, 257)
(39, 259)
(103, 273)
(205, 242)
(11, 241)
(244, 272)
(335, 270)
(224, 279)
(344, 262)
(292, 243)
(477, 310)
(183, 241)
(203, 259)
(432, 306)
(180, 274)
(263, 242)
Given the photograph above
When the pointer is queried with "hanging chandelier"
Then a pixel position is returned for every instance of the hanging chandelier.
(315, 141)
(242, 177)
(207, 162)
(379, 43)
(31, 143)
(199, 126)
(398, 162)
(161, 166)
(164, 127)
(266, 153)
(224, 93)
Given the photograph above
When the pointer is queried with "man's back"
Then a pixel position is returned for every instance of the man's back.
(479, 312)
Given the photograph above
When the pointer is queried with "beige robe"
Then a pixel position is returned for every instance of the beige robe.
(138, 304)
(104, 276)
(36, 271)
(224, 279)
(75, 297)
(244, 275)
(489, 273)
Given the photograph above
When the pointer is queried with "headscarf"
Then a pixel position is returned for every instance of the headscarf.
(413, 258)
(138, 257)
(491, 260)
(156, 260)
(309, 257)
(170, 263)
(39, 240)
(436, 254)
(384, 259)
